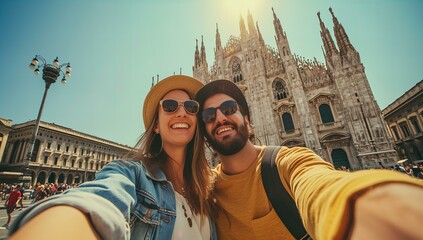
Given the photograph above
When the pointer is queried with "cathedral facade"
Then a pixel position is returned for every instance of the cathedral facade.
(328, 107)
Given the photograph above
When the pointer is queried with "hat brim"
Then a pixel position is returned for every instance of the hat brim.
(156, 93)
(226, 87)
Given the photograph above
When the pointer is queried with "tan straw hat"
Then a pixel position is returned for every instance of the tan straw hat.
(156, 93)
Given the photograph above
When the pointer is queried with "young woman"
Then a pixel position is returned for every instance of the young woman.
(162, 193)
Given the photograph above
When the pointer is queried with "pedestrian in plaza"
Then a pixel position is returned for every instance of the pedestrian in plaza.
(11, 203)
(163, 193)
(22, 191)
(420, 172)
(40, 194)
(369, 204)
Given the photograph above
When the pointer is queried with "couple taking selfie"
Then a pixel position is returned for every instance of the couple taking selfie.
(167, 190)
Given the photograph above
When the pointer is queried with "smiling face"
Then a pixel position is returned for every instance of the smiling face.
(226, 134)
(176, 129)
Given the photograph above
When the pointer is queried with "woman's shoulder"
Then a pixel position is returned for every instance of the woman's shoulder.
(138, 167)
(127, 166)
(127, 162)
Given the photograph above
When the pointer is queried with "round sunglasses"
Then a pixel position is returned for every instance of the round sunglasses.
(227, 108)
(171, 106)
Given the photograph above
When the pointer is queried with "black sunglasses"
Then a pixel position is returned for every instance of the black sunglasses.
(171, 106)
(227, 108)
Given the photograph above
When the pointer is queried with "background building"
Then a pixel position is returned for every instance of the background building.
(5, 128)
(61, 155)
(404, 118)
(329, 107)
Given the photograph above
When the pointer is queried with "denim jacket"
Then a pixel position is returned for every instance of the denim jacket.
(146, 200)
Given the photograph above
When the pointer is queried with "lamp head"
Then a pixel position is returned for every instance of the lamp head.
(34, 61)
(56, 62)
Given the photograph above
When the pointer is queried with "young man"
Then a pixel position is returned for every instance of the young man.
(371, 204)
(12, 203)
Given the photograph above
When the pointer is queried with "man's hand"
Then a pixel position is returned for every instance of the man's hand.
(389, 211)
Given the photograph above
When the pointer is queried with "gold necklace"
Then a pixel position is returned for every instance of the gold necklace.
(182, 192)
(184, 208)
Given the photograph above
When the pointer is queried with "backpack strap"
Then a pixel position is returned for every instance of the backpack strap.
(280, 199)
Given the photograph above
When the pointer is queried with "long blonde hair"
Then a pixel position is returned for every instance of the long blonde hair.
(197, 173)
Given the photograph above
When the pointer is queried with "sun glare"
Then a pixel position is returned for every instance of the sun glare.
(237, 7)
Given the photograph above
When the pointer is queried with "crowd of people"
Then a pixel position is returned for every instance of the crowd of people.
(412, 169)
(166, 189)
(14, 194)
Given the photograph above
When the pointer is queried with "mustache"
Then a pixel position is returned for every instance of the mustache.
(225, 124)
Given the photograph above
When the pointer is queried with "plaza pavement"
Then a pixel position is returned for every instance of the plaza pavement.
(3, 217)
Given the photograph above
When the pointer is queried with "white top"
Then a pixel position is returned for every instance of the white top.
(182, 230)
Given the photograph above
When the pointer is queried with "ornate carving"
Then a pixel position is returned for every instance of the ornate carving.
(233, 46)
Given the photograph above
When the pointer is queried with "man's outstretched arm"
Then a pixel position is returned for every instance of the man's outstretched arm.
(389, 211)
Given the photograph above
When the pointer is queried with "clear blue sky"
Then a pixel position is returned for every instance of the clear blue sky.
(115, 47)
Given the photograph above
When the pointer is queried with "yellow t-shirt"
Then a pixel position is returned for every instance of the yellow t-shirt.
(323, 195)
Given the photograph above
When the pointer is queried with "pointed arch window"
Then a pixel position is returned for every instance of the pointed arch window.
(288, 124)
(236, 70)
(326, 114)
(279, 90)
(238, 78)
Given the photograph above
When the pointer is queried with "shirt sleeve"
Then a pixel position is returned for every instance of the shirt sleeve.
(325, 197)
(107, 200)
(105, 217)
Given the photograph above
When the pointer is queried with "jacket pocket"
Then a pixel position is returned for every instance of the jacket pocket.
(146, 209)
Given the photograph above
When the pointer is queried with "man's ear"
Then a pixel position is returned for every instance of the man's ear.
(247, 123)
(251, 134)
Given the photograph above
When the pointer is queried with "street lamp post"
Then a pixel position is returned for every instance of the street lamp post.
(50, 74)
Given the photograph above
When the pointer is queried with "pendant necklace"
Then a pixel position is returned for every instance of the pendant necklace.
(185, 209)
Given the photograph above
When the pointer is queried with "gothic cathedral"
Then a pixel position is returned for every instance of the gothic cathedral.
(328, 108)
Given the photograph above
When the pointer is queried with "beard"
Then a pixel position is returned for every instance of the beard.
(234, 145)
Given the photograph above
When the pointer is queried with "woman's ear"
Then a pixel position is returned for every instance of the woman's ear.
(156, 128)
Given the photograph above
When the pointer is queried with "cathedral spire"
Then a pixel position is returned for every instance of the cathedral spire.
(242, 28)
(278, 27)
(281, 39)
(259, 35)
(342, 39)
(203, 52)
(218, 41)
(251, 28)
(200, 69)
(196, 55)
(328, 44)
